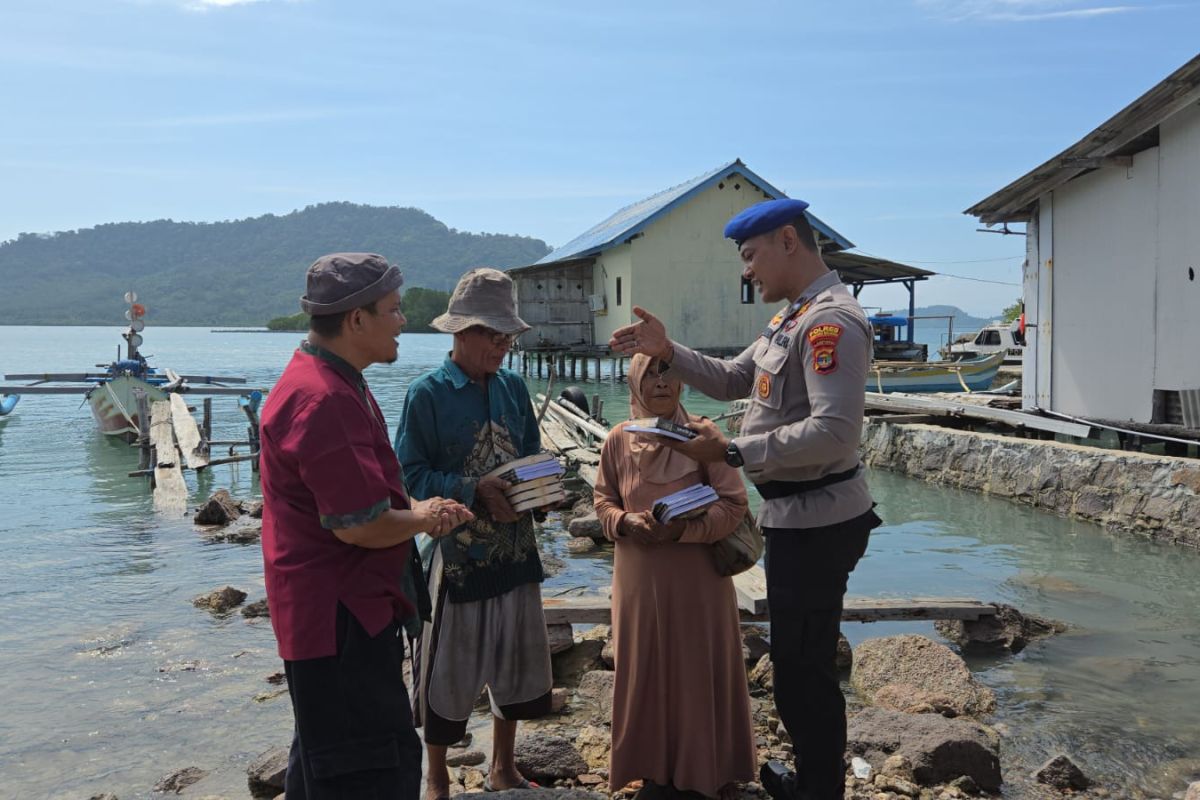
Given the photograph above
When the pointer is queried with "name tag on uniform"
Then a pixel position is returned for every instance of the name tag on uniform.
(783, 340)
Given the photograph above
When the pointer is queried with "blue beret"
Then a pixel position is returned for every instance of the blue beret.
(763, 217)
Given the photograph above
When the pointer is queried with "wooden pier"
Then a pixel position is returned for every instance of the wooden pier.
(170, 441)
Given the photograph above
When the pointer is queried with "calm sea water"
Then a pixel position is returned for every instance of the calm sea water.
(111, 679)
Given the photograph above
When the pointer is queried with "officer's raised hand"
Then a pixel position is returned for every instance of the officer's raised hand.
(708, 446)
(648, 337)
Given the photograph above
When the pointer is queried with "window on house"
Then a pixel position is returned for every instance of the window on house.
(618, 290)
(747, 292)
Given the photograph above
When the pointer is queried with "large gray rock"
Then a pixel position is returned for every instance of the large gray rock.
(570, 666)
(467, 758)
(1009, 630)
(597, 686)
(939, 749)
(221, 509)
(543, 758)
(1061, 773)
(561, 636)
(266, 773)
(578, 545)
(762, 676)
(220, 601)
(258, 608)
(586, 525)
(176, 782)
(595, 745)
(923, 664)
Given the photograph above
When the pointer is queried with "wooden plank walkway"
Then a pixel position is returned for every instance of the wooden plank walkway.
(596, 609)
(170, 492)
(942, 407)
(187, 434)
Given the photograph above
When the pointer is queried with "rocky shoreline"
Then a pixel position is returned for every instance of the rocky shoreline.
(918, 718)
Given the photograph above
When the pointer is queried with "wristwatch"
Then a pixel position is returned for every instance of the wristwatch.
(733, 456)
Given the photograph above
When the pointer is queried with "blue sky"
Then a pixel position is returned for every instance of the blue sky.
(889, 116)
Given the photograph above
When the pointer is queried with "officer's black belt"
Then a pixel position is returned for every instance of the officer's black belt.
(773, 490)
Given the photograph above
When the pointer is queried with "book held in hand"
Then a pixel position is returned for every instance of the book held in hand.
(535, 481)
(684, 504)
(661, 426)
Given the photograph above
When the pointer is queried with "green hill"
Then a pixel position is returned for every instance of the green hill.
(241, 272)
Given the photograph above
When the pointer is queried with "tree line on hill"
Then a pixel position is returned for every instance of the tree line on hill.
(229, 273)
(420, 306)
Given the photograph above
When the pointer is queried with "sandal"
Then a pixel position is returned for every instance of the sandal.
(524, 784)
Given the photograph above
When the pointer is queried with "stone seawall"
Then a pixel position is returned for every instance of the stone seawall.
(1155, 496)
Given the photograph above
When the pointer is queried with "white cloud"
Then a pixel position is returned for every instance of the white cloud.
(1021, 10)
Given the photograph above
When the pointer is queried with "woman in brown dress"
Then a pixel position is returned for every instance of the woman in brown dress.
(681, 710)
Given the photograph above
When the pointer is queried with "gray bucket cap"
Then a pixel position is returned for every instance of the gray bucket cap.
(483, 296)
(341, 282)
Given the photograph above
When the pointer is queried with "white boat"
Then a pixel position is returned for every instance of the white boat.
(999, 337)
(971, 375)
(113, 392)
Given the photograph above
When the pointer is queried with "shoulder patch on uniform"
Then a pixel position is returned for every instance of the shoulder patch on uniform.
(823, 339)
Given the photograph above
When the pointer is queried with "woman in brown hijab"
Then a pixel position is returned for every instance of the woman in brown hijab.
(681, 711)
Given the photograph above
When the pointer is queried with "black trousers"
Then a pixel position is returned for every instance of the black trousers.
(807, 570)
(354, 736)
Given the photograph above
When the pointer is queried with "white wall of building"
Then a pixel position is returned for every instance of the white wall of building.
(1177, 365)
(688, 275)
(1102, 269)
(1116, 297)
(611, 266)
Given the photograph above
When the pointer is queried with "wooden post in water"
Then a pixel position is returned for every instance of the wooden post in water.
(143, 412)
(539, 365)
(206, 427)
(597, 369)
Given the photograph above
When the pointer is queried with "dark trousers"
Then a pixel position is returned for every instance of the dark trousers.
(354, 736)
(807, 570)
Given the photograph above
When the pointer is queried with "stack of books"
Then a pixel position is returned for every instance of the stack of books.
(661, 426)
(685, 504)
(536, 481)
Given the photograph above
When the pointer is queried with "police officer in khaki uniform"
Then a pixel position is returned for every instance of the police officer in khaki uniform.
(805, 377)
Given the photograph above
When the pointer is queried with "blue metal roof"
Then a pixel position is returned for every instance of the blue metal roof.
(633, 219)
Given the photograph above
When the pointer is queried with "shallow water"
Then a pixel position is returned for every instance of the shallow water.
(111, 679)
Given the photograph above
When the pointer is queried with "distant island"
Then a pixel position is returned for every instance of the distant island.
(234, 273)
(962, 320)
(420, 307)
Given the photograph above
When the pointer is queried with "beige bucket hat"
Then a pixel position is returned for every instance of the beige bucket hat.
(483, 296)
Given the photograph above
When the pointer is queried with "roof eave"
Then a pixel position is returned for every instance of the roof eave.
(1015, 201)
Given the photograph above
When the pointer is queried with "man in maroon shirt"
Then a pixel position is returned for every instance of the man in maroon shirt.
(337, 540)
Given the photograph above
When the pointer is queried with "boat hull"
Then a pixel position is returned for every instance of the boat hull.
(7, 403)
(114, 405)
(977, 376)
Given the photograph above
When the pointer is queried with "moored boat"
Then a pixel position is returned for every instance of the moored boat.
(971, 375)
(113, 393)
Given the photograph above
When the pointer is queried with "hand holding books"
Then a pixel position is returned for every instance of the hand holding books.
(527, 483)
(661, 426)
(687, 503)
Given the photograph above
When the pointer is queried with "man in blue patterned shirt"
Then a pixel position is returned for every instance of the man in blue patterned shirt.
(459, 422)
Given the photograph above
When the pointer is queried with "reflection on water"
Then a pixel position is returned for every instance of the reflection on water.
(112, 679)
